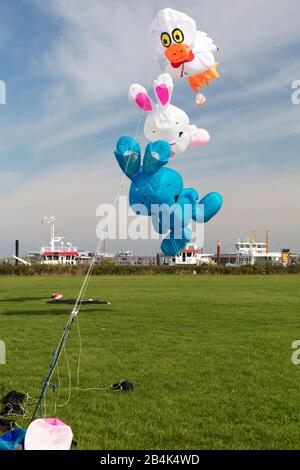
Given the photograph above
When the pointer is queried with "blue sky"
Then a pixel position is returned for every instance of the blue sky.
(68, 64)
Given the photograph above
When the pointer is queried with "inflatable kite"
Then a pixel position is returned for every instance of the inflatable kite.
(165, 121)
(13, 440)
(158, 192)
(48, 434)
(182, 51)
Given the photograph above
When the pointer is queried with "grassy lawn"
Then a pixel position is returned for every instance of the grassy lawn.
(210, 358)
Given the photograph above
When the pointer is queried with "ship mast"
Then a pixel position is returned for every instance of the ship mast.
(51, 221)
(53, 239)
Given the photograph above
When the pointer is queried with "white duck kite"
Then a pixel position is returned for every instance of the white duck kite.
(183, 51)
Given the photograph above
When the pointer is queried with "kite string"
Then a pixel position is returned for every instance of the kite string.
(75, 311)
(89, 273)
(86, 281)
(101, 389)
(84, 286)
(78, 304)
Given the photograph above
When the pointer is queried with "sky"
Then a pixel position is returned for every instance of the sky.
(67, 66)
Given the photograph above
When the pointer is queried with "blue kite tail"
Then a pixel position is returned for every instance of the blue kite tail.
(171, 246)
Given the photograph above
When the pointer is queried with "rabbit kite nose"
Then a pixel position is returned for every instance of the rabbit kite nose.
(178, 54)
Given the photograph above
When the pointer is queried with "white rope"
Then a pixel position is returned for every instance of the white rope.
(10, 411)
(79, 353)
(70, 381)
(58, 394)
(88, 276)
(45, 404)
(85, 283)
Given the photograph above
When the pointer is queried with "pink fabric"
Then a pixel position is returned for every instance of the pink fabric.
(162, 93)
(54, 422)
(143, 102)
(201, 138)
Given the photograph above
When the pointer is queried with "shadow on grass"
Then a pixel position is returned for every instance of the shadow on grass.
(54, 311)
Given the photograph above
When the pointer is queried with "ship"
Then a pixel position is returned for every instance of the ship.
(58, 251)
(248, 252)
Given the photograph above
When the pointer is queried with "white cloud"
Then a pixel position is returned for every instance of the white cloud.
(102, 47)
(89, 127)
(8, 180)
(98, 53)
(275, 84)
(70, 191)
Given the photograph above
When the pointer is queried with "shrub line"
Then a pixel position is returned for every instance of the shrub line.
(114, 269)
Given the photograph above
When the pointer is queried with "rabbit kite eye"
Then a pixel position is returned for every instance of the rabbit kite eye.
(178, 35)
(165, 39)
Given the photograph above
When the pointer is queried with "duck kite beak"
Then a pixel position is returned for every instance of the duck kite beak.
(179, 54)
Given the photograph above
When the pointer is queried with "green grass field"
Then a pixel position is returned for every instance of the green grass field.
(210, 358)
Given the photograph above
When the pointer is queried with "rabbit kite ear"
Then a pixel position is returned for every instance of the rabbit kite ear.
(156, 155)
(128, 155)
(138, 95)
(163, 88)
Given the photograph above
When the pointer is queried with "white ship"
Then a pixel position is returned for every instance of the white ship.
(58, 251)
(191, 255)
(251, 252)
(248, 252)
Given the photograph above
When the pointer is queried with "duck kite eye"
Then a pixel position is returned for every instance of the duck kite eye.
(165, 39)
(178, 35)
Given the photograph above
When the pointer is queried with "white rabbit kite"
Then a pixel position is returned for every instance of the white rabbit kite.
(165, 121)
